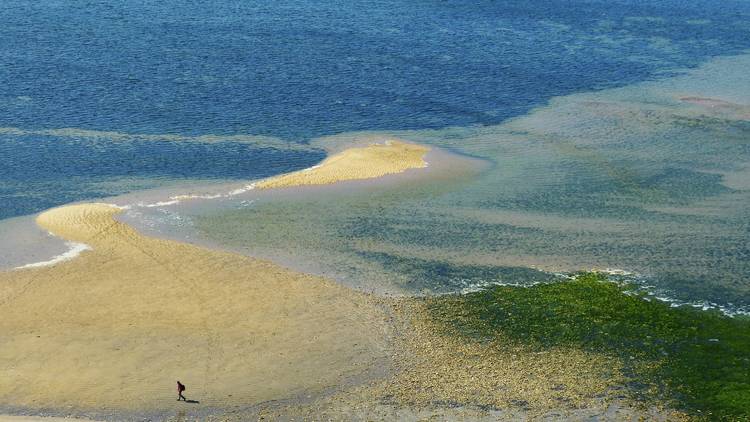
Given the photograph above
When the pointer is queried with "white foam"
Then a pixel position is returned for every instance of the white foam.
(483, 285)
(647, 292)
(161, 203)
(180, 197)
(120, 207)
(614, 271)
(176, 199)
(75, 250)
(242, 190)
(247, 203)
(317, 166)
(652, 292)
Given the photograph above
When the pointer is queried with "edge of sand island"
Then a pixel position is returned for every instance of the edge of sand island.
(175, 221)
(29, 245)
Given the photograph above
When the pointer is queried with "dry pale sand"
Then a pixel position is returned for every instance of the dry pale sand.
(367, 162)
(117, 326)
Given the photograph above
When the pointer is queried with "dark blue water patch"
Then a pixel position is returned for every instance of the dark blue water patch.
(423, 230)
(300, 69)
(627, 192)
(444, 277)
(38, 172)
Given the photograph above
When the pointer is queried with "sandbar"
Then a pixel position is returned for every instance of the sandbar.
(372, 161)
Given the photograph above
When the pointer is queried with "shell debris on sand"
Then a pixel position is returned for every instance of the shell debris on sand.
(443, 376)
(441, 366)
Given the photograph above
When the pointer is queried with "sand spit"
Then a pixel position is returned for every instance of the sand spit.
(368, 162)
(114, 328)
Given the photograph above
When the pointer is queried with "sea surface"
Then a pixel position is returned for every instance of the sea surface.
(614, 134)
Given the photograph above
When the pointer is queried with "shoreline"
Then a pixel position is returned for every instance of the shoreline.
(436, 162)
(147, 211)
(266, 332)
(443, 165)
(111, 329)
(206, 195)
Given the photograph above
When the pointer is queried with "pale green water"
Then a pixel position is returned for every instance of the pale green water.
(637, 178)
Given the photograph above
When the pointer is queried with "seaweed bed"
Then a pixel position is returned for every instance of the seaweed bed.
(695, 360)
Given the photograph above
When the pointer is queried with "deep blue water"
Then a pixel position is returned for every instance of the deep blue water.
(40, 172)
(301, 69)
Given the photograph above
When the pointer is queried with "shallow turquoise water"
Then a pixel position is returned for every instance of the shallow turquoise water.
(653, 178)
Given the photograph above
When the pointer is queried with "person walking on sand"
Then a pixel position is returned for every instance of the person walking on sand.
(180, 389)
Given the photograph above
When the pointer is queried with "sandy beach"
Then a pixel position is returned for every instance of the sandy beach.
(381, 211)
(115, 327)
(118, 325)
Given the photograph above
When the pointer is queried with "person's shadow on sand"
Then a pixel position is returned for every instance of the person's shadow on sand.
(180, 389)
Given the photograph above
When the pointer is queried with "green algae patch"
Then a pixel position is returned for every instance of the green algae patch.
(696, 360)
